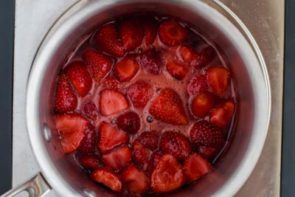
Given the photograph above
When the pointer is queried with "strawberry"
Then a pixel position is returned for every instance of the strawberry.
(168, 107)
(131, 33)
(197, 84)
(90, 110)
(204, 133)
(110, 137)
(110, 83)
(126, 68)
(177, 70)
(172, 33)
(79, 77)
(112, 102)
(65, 99)
(118, 158)
(187, 54)
(176, 144)
(207, 152)
(140, 93)
(167, 175)
(141, 155)
(129, 122)
(135, 180)
(149, 139)
(108, 39)
(218, 79)
(154, 159)
(151, 61)
(88, 143)
(71, 128)
(107, 178)
(204, 57)
(99, 65)
(195, 167)
(222, 115)
(90, 162)
(150, 30)
(202, 104)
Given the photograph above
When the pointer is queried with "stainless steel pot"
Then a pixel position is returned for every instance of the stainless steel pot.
(217, 23)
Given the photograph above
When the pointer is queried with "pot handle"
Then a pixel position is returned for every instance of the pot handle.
(35, 187)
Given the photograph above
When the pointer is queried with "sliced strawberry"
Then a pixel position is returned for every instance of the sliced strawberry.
(131, 33)
(140, 93)
(154, 159)
(207, 152)
(90, 162)
(110, 137)
(195, 167)
(197, 84)
(151, 61)
(150, 30)
(176, 144)
(88, 143)
(168, 107)
(129, 122)
(167, 175)
(187, 54)
(118, 158)
(65, 99)
(172, 33)
(218, 80)
(90, 110)
(71, 128)
(79, 77)
(202, 104)
(112, 102)
(136, 181)
(108, 39)
(149, 139)
(222, 115)
(177, 70)
(110, 83)
(99, 65)
(204, 133)
(141, 155)
(126, 68)
(107, 178)
(204, 57)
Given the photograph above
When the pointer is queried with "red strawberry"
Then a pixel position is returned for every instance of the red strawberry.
(71, 128)
(187, 54)
(177, 70)
(88, 143)
(79, 77)
(218, 79)
(167, 175)
(107, 38)
(176, 144)
(202, 104)
(207, 152)
(151, 60)
(112, 102)
(99, 64)
(135, 180)
(141, 155)
(198, 84)
(195, 167)
(222, 115)
(204, 133)
(126, 68)
(140, 93)
(110, 137)
(129, 122)
(90, 110)
(149, 139)
(172, 33)
(168, 107)
(90, 162)
(204, 57)
(154, 159)
(150, 30)
(131, 32)
(107, 178)
(110, 83)
(118, 158)
(65, 99)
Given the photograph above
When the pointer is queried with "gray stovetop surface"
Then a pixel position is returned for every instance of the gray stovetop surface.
(264, 18)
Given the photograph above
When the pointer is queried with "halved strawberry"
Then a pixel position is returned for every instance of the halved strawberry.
(204, 57)
(151, 60)
(172, 33)
(149, 139)
(90, 162)
(177, 70)
(118, 158)
(222, 115)
(167, 175)
(71, 128)
(176, 144)
(218, 79)
(110, 137)
(195, 167)
(202, 104)
(136, 181)
(168, 107)
(129, 122)
(79, 77)
(99, 65)
(140, 93)
(150, 30)
(131, 33)
(88, 143)
(126, 68)
(187, 54)
(90, 110)
(112, 102)
(141, 155)
(65, 99)
(154, 159)
(110, 83)
(108, 39)
(197, 84)
(207, 152)
(107, 178)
